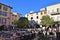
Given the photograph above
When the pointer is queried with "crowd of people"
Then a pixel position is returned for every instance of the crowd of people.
(12, 33)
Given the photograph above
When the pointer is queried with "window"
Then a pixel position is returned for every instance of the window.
(4, 21)
(5, 8)
(0, 6)
(41, 13)
(57, 9)
(0, 12)
(31, 18)
(12, 22)
(4, 14)
(37, 17)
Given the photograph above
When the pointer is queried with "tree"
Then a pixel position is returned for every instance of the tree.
(23, 22)
(15, 22)
(46, 20)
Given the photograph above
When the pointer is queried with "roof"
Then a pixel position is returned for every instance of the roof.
(35, 12)
(53, 5)
(17, 13)
(6, 5)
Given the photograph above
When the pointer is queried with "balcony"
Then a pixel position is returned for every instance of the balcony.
(58, 19)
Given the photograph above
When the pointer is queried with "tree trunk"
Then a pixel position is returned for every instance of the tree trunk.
(46, 32)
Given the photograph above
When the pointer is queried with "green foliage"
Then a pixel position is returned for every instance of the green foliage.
(15, 22)
(46, 20)
(23, 22)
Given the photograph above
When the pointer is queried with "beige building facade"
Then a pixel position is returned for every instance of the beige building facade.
(53, 11)
(56, 17)
(36, 16)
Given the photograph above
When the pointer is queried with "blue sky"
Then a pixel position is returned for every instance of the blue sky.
(25, 6)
